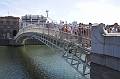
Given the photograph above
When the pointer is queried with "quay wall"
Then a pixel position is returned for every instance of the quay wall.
(105, 47)
(4, 42)
(11, 42)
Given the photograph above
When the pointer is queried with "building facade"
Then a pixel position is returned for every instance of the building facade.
(32, 19)
(9, 26)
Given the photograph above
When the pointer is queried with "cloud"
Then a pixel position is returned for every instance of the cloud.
(106, 11)
(96, 11)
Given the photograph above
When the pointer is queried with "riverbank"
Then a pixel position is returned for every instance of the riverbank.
(4, 42)
(11, 42)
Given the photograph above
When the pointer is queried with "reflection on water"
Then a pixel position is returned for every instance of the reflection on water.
(49, 64)
(34, 62)
(102, 72)
(10, 64)
(40, 62)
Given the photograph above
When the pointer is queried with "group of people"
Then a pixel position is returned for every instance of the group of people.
(113, 28)
(75, 30)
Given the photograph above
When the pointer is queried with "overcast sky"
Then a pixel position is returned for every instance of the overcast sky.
(94, 11)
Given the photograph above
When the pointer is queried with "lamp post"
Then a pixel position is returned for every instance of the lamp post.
(47, 25)
(47, 13)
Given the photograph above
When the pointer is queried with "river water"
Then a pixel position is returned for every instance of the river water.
(34, 62)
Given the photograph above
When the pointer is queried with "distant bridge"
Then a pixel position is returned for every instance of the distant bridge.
(76, 49)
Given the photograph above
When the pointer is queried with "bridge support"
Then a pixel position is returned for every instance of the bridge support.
(13, 43)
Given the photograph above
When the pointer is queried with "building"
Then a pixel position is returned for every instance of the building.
(32, 19)
(74, 24)
(9, 26)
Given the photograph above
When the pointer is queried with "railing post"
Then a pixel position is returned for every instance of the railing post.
(43, 28)
(48, 30)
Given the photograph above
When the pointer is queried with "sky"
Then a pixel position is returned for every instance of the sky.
(85, 11)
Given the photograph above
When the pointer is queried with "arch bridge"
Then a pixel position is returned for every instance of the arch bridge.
(75, 48)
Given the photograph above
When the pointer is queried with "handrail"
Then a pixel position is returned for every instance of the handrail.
(86, 41)
(71, 39)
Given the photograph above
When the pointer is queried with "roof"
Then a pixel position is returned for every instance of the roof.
(9, 17)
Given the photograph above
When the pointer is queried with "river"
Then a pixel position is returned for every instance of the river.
(34, 62)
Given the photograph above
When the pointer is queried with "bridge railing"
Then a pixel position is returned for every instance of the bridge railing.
(83, 40)
(78, 51)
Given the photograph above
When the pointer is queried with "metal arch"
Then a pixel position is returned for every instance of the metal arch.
(75, 55)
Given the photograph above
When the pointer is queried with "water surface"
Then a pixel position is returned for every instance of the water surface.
(34, 62)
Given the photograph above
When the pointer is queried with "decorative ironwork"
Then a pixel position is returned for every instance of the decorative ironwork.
(75, 48)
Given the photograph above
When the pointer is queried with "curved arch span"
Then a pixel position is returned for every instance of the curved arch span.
(29, 35)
